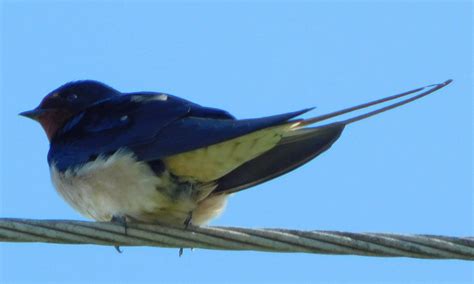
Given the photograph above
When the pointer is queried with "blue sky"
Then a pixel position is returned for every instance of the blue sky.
(406, 171)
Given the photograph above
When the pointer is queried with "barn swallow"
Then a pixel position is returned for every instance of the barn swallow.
(153, 157)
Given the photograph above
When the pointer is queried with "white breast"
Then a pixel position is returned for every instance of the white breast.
(121, 186)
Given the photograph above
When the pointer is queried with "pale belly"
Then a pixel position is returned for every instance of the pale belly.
(121, 186)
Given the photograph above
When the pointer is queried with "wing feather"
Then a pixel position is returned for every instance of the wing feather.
(150, 128)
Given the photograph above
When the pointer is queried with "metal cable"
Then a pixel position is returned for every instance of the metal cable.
(226, 238)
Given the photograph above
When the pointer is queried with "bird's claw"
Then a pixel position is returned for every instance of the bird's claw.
(117, 248)
(188, 220)
(121, 220)
(187, 223)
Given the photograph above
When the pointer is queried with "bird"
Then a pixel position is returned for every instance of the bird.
(153, 157)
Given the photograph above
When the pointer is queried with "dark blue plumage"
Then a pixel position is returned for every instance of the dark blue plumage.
(152, 157)
(151, 129)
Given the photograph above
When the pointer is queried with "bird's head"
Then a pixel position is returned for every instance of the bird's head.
(67, 101)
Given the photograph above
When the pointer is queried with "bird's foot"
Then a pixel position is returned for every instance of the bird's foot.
(181, 251)
(187, 223)
(188, 220)
(121, 220)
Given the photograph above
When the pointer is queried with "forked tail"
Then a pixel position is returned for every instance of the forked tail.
(424, 92)
(303, 144)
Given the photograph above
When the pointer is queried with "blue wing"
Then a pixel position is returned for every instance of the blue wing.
(151, 127)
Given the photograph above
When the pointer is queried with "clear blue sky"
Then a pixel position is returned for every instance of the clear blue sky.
(406, 171)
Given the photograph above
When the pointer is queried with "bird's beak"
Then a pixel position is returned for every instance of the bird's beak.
(33, 114)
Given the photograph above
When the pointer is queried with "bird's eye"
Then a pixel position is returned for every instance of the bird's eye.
(71, 97)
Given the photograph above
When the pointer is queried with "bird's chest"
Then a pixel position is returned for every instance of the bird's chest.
(121, 186)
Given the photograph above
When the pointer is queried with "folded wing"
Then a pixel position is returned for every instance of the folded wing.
(151, 128)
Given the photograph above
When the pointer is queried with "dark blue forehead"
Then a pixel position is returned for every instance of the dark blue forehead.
(88, 87)
(86, 92)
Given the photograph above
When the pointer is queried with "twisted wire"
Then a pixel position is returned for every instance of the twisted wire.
(227, 238)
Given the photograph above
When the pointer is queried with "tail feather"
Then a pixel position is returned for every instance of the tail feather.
(292, 152)
(426, 91)
(302, 144)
